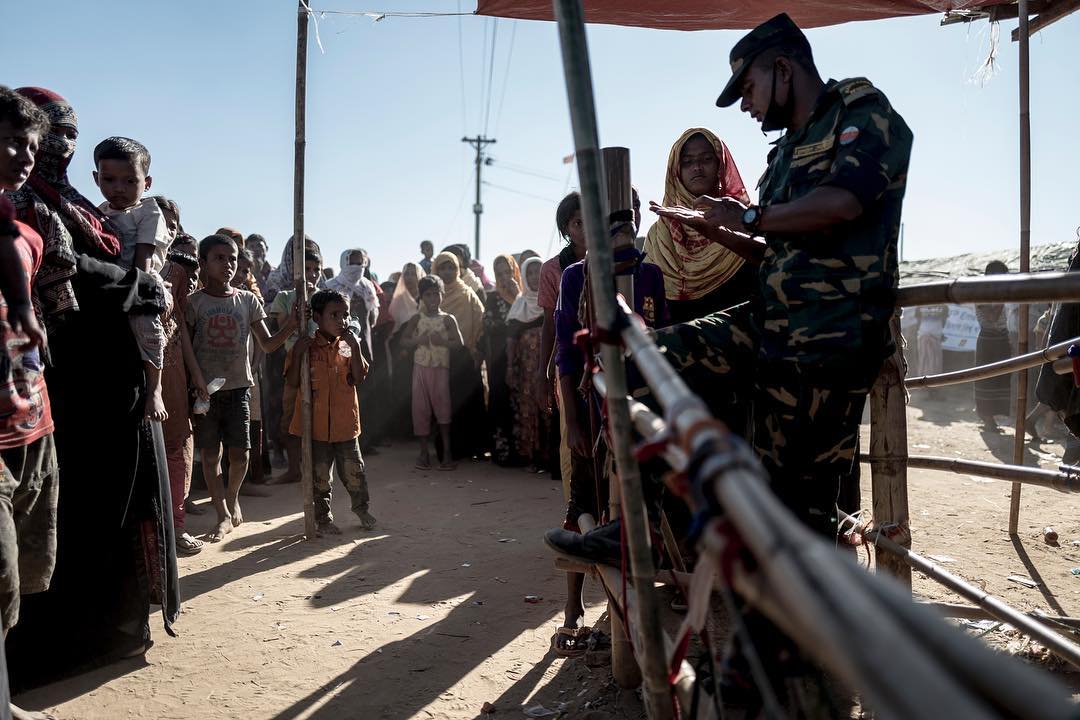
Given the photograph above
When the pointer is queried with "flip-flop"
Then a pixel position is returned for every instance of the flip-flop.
(422, 466)
(578, 637)
(188, 545)
(447, 468)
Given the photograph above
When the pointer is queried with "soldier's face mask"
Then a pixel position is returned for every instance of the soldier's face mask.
(778, 115)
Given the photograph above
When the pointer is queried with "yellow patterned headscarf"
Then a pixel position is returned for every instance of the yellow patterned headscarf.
(693, 265)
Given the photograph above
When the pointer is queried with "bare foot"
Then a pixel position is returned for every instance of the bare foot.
(223, 528)
(17, 713)
(423, 461)
(367, 520)
(237, 514)
(155, 407)
(327, 528)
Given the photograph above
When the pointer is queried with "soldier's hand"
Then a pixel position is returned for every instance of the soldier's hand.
(725, 212)
(687, 216)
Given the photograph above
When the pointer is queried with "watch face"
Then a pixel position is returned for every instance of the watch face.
(750, 216)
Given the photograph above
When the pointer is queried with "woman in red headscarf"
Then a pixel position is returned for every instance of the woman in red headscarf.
(700, 277)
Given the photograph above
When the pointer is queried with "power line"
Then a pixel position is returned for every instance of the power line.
(520, 171)
(461, 69)
(506, 75)
(453, 220)
(491, 75)
(519, 192)
(566, 186)
(526, 168)
(483, 86)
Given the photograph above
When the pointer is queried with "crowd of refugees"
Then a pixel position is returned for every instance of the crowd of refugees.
(139, 359)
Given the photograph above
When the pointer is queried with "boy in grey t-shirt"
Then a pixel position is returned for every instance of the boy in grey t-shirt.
(221, 318)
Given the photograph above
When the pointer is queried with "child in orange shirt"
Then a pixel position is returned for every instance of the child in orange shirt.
(337, 366)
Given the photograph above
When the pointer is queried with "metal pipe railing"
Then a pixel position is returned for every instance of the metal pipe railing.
(1065, 480)
(999, 609)
(833, 612)
(1013, 288)
(1002, 367)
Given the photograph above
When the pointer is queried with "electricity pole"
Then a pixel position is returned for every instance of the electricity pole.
(478, 142)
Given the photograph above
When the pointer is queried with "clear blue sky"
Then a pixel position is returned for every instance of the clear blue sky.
(208, 87)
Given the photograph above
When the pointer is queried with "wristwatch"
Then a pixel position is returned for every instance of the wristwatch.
(752, 218)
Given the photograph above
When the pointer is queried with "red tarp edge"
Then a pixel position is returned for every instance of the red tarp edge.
(725, 14)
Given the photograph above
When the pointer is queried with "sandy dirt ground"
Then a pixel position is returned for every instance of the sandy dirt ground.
(426, 617)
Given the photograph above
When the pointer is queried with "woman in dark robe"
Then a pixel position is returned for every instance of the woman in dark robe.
(993, 396)
(469, 432)
(404, 304)
(495, 342)
(115, 548)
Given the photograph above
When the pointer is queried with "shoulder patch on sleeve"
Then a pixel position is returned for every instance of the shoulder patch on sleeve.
(856, 89)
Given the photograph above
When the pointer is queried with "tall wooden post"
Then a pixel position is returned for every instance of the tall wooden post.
(306, 479)
(888, 462)
(649, 633)
(616, 164)
(1025, 257)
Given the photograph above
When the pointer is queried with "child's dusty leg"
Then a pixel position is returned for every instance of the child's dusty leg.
(238, 461)
(353, 476)
(424, 459)
(322, 467)
(155, 406)
(211, 463)
(448, 462)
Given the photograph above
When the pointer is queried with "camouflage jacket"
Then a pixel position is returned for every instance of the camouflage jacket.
(828, 295)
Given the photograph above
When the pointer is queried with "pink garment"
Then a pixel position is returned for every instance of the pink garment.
(430, 395)
(178, 457)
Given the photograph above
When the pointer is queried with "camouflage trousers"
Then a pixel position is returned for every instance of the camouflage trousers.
(344, 459)
(803, 421)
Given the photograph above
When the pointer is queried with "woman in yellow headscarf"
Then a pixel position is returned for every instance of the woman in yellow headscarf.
(700, 277)
(466, 383)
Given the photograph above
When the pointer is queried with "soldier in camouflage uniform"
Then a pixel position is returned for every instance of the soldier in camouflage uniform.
(825, 237)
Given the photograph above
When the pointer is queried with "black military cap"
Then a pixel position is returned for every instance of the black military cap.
(779, 30)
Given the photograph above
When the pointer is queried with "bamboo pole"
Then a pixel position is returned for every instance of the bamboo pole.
(575, 53)
(1002, 367)
(1065, 481)
(306, 479)
(620, 201)
(888, 461)
(1015, 288)
(625, 668)
(1025, 257)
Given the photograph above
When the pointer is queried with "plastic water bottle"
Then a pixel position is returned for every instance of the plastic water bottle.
(202, 406)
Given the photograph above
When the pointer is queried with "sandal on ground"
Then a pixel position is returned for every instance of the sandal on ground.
(187, 545)
(447, 466)
(571, 642)
(422, 466)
